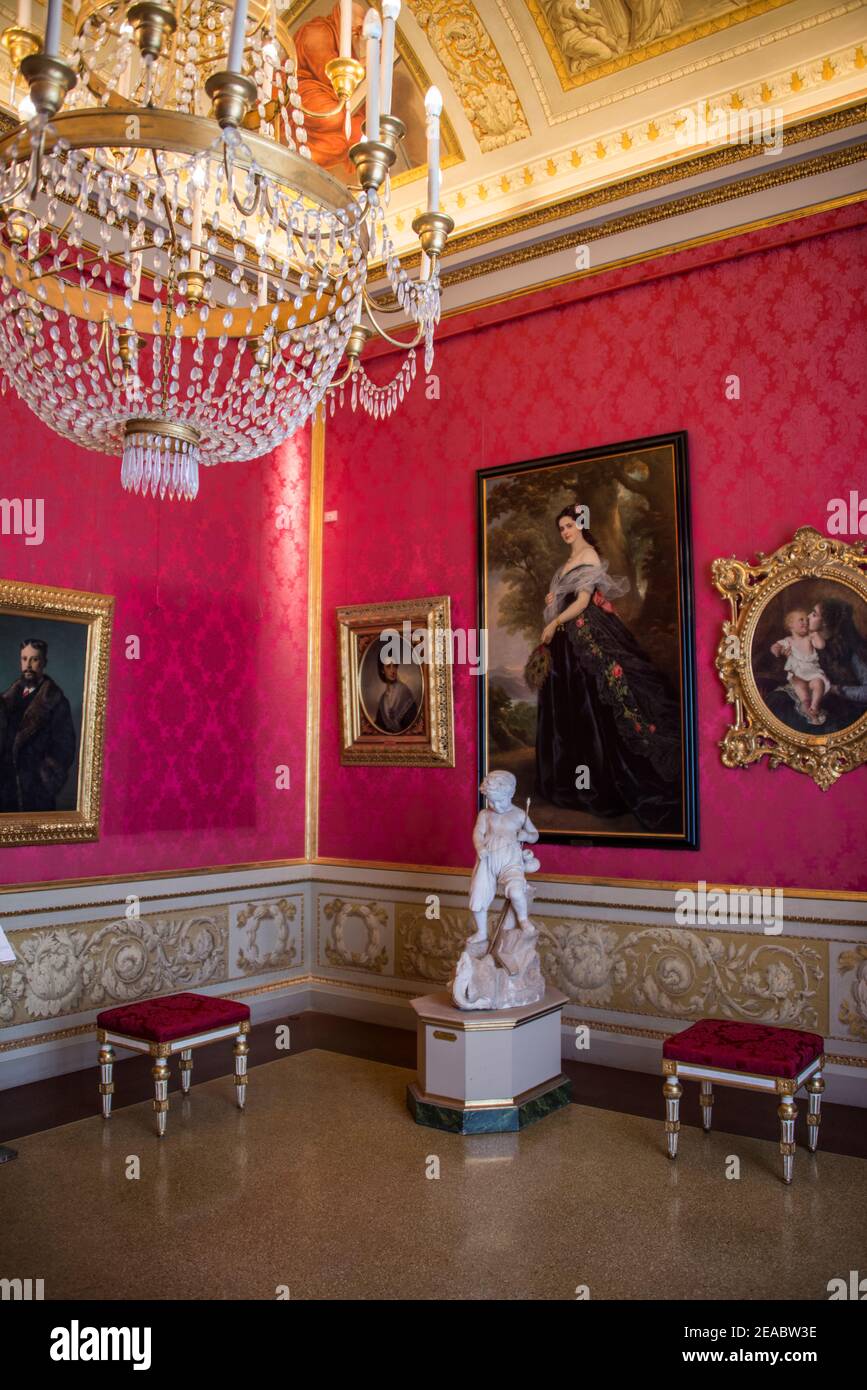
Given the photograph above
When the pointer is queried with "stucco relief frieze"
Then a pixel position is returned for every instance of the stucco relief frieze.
(852, 1013)
(266, 936)
(356, 935)
(67, 969)
(669, 972)
(427, 949)
(677, 973)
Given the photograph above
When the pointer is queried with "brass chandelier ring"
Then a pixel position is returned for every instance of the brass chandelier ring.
(180, 133)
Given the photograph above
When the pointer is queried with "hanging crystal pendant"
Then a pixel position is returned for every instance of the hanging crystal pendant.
(160, 456)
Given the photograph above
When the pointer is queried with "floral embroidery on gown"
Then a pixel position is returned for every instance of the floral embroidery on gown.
(606, 707)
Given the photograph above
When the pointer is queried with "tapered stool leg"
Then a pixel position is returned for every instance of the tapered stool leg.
(241, 1049)
(788, 1113)
(672, 1090)
(706, 1103)
(106, 1085)
(186, 1069)
(815, 1087)
(161, 1098)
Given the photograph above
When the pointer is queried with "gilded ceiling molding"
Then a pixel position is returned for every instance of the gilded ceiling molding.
(686, 69)
(572, 40)
(662, 212)
(477, 72)
(653, 145)
(697, 166)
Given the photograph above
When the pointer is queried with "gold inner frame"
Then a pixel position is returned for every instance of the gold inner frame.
(96, 611)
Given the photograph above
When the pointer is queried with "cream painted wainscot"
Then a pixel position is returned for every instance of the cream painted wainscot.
(362, 941)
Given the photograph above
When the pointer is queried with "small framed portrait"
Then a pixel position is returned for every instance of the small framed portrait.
(54, 652)
(793, 656)
(585, 594)
(396, 683)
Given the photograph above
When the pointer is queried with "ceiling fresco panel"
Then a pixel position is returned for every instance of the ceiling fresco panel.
(586, 41)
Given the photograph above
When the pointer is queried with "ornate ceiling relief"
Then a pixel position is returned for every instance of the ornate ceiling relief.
(477, 72)
(603, 36)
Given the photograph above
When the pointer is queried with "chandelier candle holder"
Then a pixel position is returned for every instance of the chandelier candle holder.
(180, 284)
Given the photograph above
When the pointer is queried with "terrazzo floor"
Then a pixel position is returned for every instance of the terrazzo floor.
(322, 1187)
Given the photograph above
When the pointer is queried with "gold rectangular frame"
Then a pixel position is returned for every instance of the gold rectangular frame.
(433, 748)
(96, 611)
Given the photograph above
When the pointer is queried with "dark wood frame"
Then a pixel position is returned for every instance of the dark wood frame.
(640, 840)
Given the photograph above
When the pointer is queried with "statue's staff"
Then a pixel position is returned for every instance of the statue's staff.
(493, 949)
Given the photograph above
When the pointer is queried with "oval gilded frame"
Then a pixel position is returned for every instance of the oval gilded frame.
(757, 732)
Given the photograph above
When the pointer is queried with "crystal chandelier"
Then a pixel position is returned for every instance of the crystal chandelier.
(179, 281)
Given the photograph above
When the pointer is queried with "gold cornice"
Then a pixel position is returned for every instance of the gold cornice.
(599, 881)
(674, 171)
(642, 217)
(314, 632)
(377, 865)
(152, 875)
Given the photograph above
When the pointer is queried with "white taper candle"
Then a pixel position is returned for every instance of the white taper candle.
(196, 229)
(237, 36)
(51, 47)
(390, 12)
(23, 14)
(262, 287)
(433, 105)
(372, 33)
(346, 28)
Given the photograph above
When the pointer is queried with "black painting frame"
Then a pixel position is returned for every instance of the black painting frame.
(677, 441)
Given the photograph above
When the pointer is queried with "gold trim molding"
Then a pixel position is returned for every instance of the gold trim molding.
(314, 633)
(690, 167)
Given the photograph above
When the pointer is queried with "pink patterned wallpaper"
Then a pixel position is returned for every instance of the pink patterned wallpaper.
(216, 590)
(649, 357)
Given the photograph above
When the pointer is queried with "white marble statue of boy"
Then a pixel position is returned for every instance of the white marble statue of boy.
(499, 834)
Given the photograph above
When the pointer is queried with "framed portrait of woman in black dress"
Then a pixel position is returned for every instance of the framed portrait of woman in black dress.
(585, 593)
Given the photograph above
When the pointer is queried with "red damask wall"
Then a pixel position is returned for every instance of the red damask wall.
(782, 309)
(216, 590)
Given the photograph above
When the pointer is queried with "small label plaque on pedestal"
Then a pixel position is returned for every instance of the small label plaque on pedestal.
(489, 1071)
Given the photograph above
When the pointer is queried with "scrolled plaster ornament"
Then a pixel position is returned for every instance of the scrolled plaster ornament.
(503, 972)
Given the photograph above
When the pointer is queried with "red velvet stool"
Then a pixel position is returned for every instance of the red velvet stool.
(161, 1027)
(754, 1056)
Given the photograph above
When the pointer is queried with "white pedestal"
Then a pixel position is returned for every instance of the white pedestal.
(488, 1071)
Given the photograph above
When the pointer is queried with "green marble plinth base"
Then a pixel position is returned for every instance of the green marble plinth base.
(455, 1118)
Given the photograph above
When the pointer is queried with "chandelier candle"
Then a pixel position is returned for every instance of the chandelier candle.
(235, 62)
(372, 33)
(346, 28)
(23, 14)
(433, 105)
(196, 229)
(390, 12)
(52, 29)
